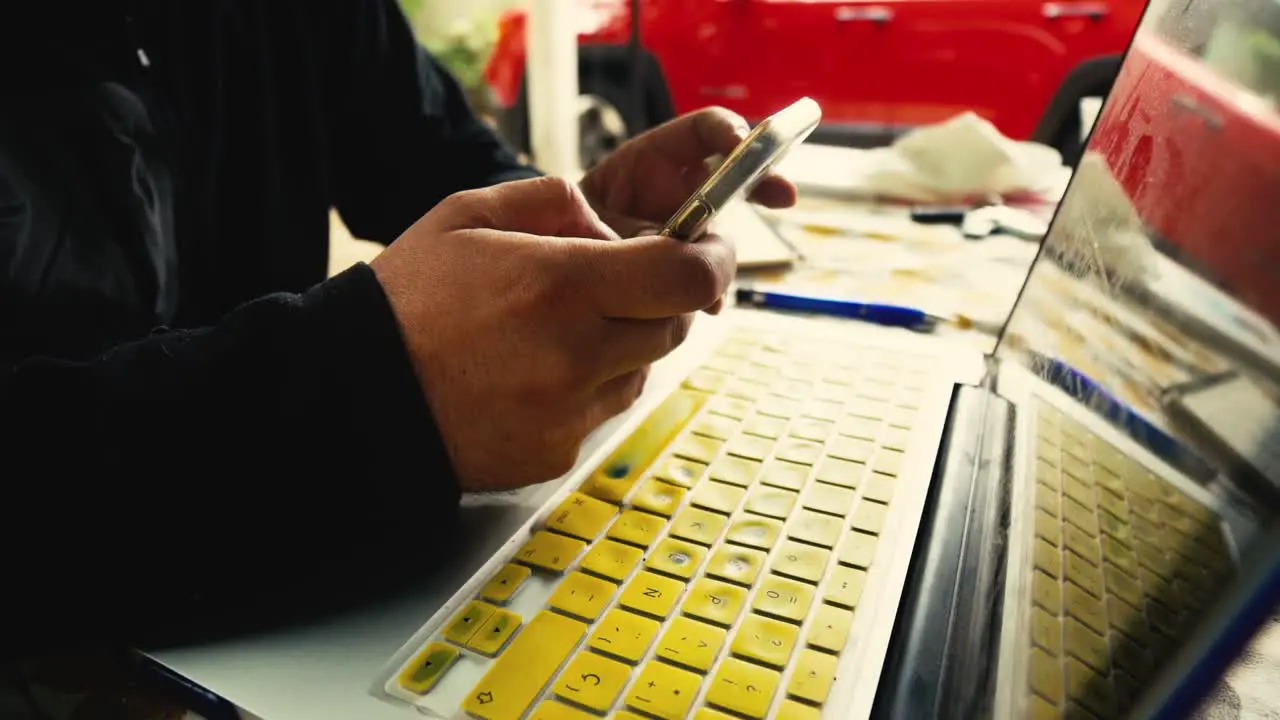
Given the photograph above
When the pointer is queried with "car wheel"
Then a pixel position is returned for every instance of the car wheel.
(601, 129)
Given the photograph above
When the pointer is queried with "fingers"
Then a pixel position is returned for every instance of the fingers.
(627, 345)
(540, 206)
(649, 277)
(620, 393)
(774, 191)
(692, 138)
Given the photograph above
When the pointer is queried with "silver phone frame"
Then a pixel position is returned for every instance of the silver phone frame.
(758, 152)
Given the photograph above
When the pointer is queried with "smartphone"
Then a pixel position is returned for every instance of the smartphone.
(766, 144)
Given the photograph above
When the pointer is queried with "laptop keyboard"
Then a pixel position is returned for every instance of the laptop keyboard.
(712, 566)
(1123, 563)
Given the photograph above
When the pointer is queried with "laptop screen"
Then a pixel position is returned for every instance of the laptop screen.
(1143, 362)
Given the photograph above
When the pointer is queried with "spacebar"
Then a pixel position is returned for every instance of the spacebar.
(525, 668)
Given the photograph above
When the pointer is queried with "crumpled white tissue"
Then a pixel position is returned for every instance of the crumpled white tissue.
(963, 157)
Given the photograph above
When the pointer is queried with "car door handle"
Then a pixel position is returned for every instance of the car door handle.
(1091, 10)
(1185, 103)
(863, 13)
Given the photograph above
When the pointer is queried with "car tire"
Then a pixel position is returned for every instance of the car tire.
(607, 113)
(1060, 127)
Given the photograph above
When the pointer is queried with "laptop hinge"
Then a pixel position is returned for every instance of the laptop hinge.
(942, 659)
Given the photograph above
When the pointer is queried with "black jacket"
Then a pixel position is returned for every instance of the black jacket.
(172, 165)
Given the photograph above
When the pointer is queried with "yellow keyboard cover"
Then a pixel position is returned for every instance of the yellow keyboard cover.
(711, 566)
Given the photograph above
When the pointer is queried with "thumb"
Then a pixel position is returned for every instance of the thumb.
(549, 206)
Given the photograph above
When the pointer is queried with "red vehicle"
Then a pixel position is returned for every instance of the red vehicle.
(877, 67)
(1192, 133)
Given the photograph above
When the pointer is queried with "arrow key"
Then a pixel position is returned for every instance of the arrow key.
(592, 681)
(424, 672)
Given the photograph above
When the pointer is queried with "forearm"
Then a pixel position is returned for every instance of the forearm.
(197, 481)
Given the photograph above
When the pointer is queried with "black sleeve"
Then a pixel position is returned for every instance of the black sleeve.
(405, 137)
(204, 481)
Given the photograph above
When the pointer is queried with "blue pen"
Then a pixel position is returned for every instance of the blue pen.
(881, 314)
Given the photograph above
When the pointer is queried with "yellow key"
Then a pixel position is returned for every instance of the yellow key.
(718, 427)
(814, 674)
(697, 448)
(592, 681)
(816, 528)
(676, 557)
(766, 427)
(715, 601)
(792, 710)
(841, 472)
(888, 462)
(737, 565)
(514, 680)
(799, 451)
(664, 691)
(651, 594)
(858, 549)
(612, 560)
(879, 487)
(709, 714)
(743, 688)
(419, 676)
(895, 438)
(785, 475)
(465, 624)
(637, 528)
(810, 429)
(628, 715)
(582, 596)
(717, 497)
(800, 561)
(708, 381)
(550, 551)
(581, 516)
(731, 407)
(829, 499)
(859, 427)
(624, 466)
(735, 471)
(678, 471)
(756, 532)
(830, 628)
(624, 635)
(691, 643)
(698, 526)
(765, 640)
(845, 586)
(552, 710)
(784, 599)
(495, 632)
(779, 407)
(771, 502)
(504, 583)
(750, 447)
(853, 450)
(658, 497)
(869, 517)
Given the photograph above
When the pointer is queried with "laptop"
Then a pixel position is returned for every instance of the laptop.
(826, 519)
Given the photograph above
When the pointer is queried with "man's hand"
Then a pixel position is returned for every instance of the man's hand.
(527, 331)
(639, 186)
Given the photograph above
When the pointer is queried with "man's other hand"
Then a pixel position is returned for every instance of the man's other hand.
(639, 186)
(527, 332)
